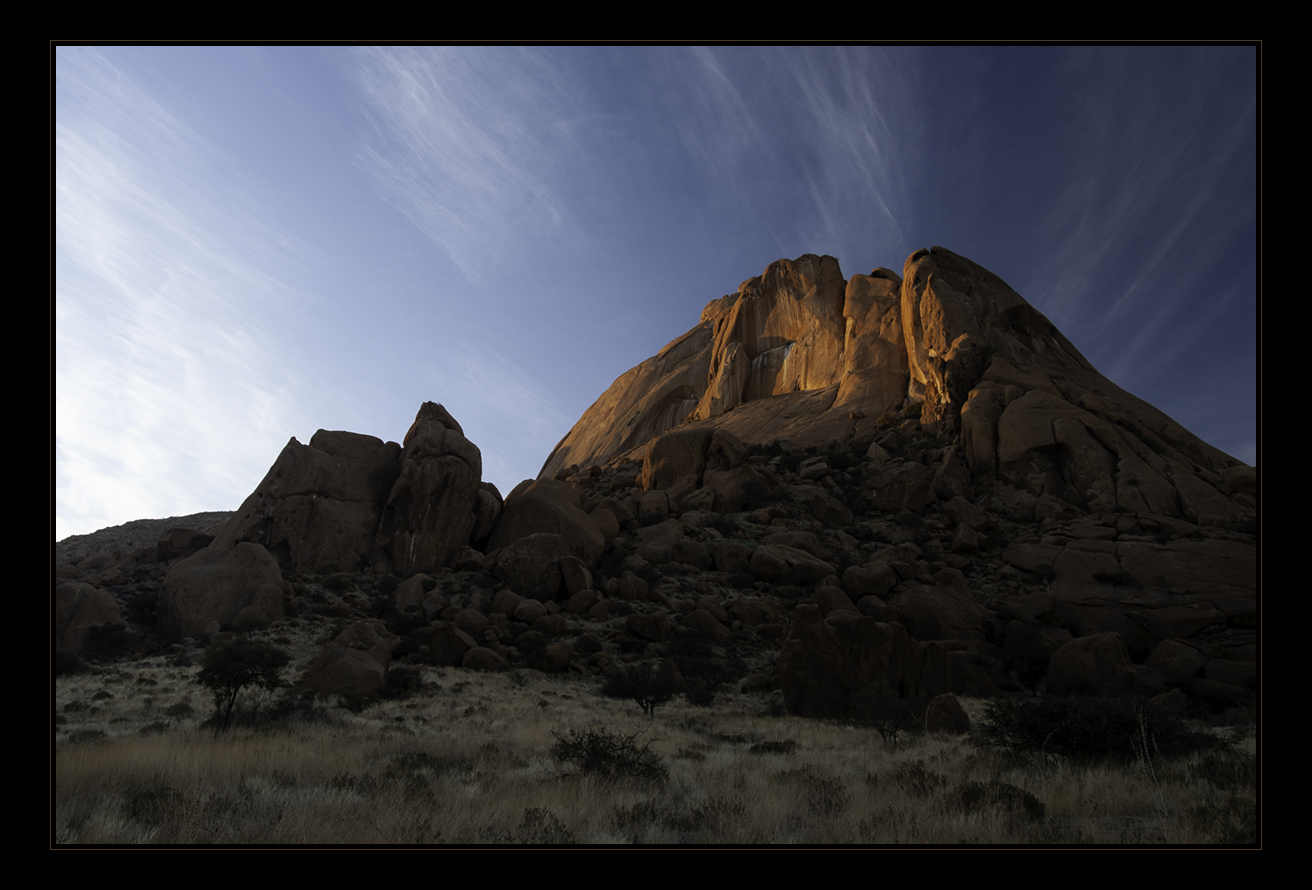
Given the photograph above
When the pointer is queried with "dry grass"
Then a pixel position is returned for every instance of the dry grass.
(468, 760)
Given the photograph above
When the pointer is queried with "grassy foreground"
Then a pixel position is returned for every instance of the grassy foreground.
(468, 759)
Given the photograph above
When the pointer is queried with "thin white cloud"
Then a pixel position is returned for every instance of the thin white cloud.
(859, 160)
(466, 143)
(165, 389)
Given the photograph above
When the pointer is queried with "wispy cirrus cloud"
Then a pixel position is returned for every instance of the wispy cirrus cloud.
(467, 143)
(813, 133)
(158, 309)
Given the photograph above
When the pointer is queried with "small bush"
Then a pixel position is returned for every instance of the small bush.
(610, 756)
(1232, 821)
(84, 736)
(541, 826)
(154, 805)
(784, 746)
(914, 779)
(1089, 728)
(249, 623)
(401, 681)
(977, 796)
(641, 683)
(825, 795)
(880, 709)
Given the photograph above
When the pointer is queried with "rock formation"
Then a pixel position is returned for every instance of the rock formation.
(865, 496)
(347, 501)
(799, 355)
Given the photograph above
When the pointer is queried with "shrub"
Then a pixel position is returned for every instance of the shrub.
(154, 805)
(401, 681)
(880, 709)
(233, 665)
(696, 658)
(642, 683)
(610, 756)
(825, 795)
(784, 746)
(541, 826)
(977, 796)
(1089, 728)
(249, 623)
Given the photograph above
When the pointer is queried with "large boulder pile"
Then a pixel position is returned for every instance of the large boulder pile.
(865, 496)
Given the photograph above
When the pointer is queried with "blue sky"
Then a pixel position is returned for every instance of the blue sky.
(253, 243)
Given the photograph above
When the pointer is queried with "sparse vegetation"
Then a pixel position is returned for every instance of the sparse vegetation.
(536, 756)
(1089, 728)
(643, 683)
(417, 770)
(610, 756)
(233, 665)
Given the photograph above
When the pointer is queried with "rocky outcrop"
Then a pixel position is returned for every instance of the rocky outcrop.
(431, 510)
(963, 507)
(817, 348)
(348, 501)
(318, 507)
(798, 354)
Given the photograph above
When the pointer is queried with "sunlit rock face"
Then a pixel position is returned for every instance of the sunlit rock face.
(801, 354)
(800, 332)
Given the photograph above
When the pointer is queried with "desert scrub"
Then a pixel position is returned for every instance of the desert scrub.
(610, 756)
(1089, 728)
(369, 779)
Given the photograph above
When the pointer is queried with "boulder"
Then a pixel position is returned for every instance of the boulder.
(942, 611)
(549, 506)
(829, 664)
(1092, 665)
(219, 585)
(530, 566)
(448, 644)
(355, 662)
(945, 716)
(780, 564)
(79, 610)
